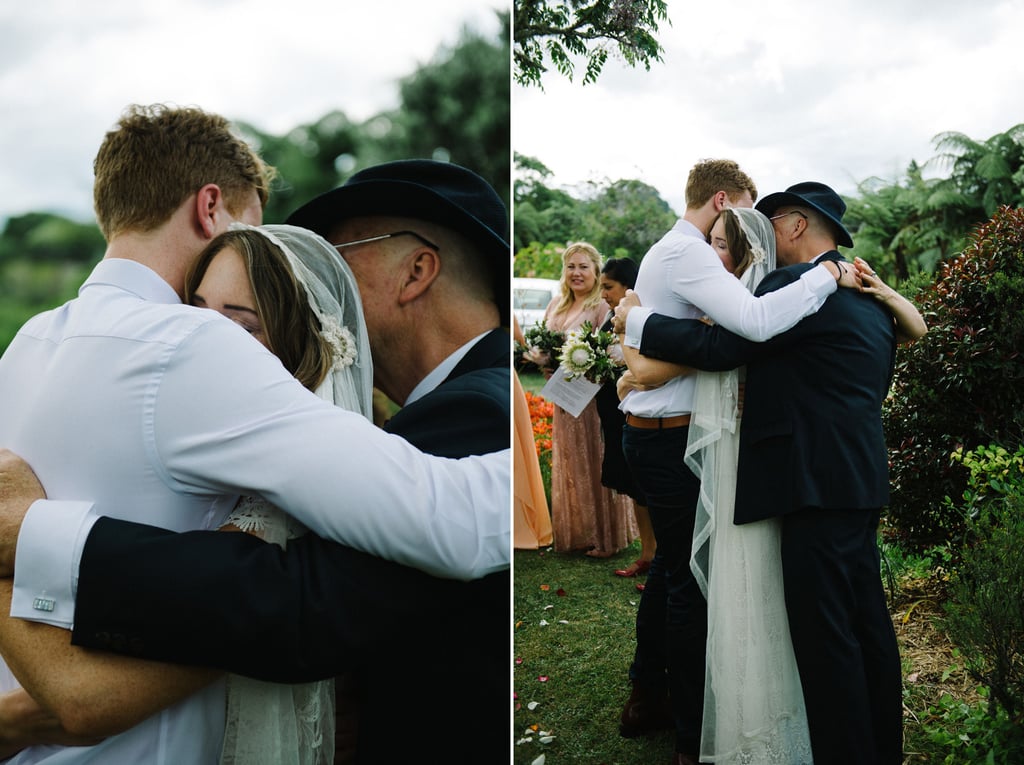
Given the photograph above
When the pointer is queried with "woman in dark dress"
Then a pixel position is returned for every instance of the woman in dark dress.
(618, 275)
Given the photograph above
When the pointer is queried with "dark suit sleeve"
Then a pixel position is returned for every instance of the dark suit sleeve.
(231, 601)
(693, 343)
(240, 604)
(709, 347)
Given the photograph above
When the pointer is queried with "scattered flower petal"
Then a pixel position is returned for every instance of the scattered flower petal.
(532, 705)
(533, 728)
(563, 621)
(912, 677)
(546, 739)
(548, 607)
(542, 678)
(560, 592)
(543, 622)
(545, 587)
(519, 660)
(538, 761)
(524, 741)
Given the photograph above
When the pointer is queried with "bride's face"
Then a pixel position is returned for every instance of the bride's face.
(720, 244)
(225, 288)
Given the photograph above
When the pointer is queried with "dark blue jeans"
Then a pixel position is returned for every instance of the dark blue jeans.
(672, 619)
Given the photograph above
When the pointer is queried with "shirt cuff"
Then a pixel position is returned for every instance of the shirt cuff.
(820, 281)
(46, 561)
(635, 320)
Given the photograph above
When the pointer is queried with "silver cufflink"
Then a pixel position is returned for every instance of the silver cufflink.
(43, 604)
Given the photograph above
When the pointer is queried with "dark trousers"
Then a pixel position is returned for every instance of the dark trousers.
(672, 618)
(843, 636)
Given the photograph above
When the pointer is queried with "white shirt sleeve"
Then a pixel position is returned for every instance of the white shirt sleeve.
(635, 320)
(699, 277)
(44, 583)
(228, 418)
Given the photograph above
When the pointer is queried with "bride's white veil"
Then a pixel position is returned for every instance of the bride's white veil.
(715, 403)
(334, 299)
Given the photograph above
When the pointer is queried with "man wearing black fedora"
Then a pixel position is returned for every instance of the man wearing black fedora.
(812, 452)
(428, 244)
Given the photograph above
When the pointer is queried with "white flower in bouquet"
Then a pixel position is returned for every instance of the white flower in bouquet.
(577, 355)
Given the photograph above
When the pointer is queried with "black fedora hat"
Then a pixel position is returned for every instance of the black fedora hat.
(439, 192)
(815, 195)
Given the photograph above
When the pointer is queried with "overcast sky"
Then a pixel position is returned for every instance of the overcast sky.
(68, 68)
(793, 90)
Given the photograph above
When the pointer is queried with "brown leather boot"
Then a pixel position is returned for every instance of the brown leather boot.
(645, 711)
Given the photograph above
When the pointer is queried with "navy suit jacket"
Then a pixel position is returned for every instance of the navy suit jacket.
(811, 433)
(430, 655)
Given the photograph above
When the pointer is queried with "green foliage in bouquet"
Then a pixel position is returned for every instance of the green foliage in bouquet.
(547, 343)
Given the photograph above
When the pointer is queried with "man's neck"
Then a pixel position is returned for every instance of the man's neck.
(155, 252)
(406, 364)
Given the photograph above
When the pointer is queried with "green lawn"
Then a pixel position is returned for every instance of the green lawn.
(574, 639)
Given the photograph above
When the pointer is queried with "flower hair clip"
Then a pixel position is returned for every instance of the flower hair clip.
(341, 341)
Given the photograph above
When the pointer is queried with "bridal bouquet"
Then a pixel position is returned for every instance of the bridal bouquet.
(543, 345)
(591, 354)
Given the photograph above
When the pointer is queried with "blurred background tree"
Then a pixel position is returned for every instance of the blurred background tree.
(454, 107)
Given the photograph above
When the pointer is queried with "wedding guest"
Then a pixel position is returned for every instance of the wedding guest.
(180, 408)
(585, 514)
(531, 520)
(617, 276)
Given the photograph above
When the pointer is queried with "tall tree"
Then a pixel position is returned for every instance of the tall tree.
(985, 174)
(551, 31)
(457, 107)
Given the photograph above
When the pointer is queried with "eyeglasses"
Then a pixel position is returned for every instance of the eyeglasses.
(791, 212)
(387, 236)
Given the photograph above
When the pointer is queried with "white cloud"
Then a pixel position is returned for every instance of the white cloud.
(793, 91)
(67, 69)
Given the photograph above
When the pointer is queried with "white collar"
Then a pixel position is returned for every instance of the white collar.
(440, 372)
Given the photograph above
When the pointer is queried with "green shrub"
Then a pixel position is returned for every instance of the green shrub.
(985, 615)
(971, 734)
(961, 385)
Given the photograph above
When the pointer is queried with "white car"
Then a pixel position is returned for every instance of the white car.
(530, 298)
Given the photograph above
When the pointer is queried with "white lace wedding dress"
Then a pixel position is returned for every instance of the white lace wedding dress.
(753, 703)
(276, 723)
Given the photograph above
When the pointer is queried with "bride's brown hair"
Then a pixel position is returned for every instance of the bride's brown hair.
(291, 327)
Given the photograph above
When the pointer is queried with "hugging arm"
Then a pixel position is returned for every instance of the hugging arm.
(650, 372)
(910, 324)
(89, 693)
(295, 615)
(695, 344)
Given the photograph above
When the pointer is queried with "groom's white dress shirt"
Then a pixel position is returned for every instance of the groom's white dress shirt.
(152, 410)
(681, 276)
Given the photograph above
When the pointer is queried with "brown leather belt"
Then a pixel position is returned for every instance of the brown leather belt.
(657, 423)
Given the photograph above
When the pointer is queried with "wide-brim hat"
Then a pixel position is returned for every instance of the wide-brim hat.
(815, 195)
(438, 192)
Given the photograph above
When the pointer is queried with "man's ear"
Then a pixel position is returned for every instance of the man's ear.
(209, 209)
(423, 268)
